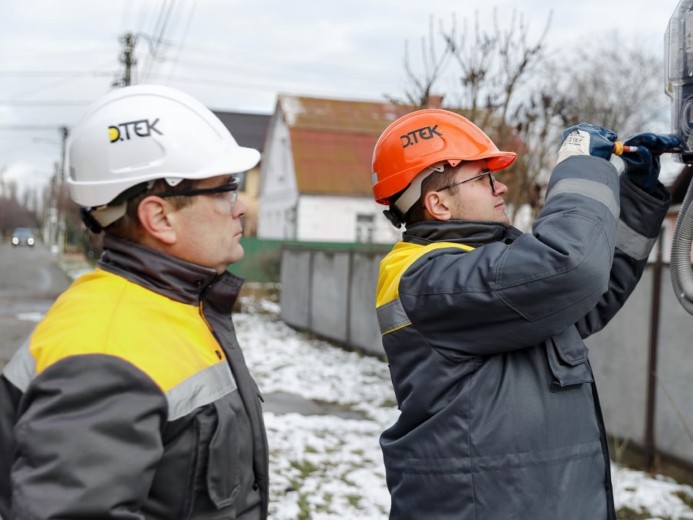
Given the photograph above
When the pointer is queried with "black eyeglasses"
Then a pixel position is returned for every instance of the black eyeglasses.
(491, 179)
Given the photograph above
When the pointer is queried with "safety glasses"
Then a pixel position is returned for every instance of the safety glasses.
(226, 194)
(491, 179)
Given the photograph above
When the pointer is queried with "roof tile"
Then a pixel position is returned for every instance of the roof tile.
(333, 140)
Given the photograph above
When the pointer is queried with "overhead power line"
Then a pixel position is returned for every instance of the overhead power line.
(53, 73)
(32, 128)
(159, 31)
(189, 18)
(43, 103)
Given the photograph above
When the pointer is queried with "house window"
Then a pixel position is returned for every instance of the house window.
(364, 228)
(290, 223)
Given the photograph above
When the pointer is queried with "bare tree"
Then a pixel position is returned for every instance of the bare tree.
(605, 82)
(522, 96)
(12, 213)
(493, 65)
(419, 88)
(612, 83)
(498, 64)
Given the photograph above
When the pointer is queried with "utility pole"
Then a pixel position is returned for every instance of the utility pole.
(55, 218)
(127, 58)
(64, 133)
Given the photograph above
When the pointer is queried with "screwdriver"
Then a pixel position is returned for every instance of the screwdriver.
(620, 149)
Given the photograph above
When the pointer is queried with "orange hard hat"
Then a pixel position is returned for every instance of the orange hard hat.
(421, 139)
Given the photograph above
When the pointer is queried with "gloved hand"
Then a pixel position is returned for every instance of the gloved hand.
(642, 165)
(587, 139)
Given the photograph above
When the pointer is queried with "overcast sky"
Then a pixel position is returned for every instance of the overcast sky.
(57, 56)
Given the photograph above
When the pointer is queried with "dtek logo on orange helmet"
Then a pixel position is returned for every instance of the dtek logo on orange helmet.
(141, 128)
(420, 139)
(425, 133)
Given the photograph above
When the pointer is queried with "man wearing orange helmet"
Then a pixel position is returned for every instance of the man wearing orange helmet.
(483, 325)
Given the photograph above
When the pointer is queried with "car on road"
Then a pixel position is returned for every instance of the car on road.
(23, 237)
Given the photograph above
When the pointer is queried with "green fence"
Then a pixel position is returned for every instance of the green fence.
(262, 259)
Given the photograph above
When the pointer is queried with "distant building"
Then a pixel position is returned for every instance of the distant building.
(316, 183)
(249, 130)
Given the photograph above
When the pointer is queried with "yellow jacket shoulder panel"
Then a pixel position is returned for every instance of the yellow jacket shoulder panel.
(396, 263)
(102, 313)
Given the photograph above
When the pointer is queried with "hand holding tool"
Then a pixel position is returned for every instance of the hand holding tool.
(587, 139)
(641, 154)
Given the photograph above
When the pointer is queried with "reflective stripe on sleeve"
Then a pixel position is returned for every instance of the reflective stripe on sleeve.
(592, 189)
(392, 316)
(632, 243)
(200, 389)
(21, 370)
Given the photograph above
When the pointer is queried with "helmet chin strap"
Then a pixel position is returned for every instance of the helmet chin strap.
(99, 217)
(413, 191)
(397, 212)
(107, 215)
(395, 216)
(90, 221)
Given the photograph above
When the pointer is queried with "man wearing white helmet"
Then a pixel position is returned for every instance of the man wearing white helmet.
(132, 399)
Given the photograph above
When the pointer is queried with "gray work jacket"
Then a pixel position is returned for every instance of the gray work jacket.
(483, 328)
(132, 400)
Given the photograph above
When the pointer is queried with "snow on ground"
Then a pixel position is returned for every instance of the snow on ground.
(326, 467)
(321, 466)
(660, 496)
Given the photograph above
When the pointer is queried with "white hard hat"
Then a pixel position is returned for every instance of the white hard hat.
(146, 132)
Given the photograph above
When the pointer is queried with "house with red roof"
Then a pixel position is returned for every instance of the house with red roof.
(315, 179)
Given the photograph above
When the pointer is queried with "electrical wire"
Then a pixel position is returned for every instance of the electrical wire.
(680, 270)
(31, 128)
(185, 36)
(266, 59)
(43, 103)
(287, 88)
(65, 77)
(54, 73)
(159, 29)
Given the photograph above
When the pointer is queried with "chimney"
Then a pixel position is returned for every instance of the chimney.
(434, 101)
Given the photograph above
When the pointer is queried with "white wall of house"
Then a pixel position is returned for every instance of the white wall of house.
(286, 214)
(325, 218)
(278, 192)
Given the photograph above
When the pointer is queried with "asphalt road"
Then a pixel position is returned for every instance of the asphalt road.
(30, 280)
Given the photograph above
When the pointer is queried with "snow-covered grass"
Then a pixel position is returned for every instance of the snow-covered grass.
(325, 467)
(321, 466)
(651, 497)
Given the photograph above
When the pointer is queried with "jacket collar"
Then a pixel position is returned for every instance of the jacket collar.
(169, 276)
(473, 234)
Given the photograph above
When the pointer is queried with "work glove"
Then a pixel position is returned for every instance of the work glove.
(587, 139)
(642, 165)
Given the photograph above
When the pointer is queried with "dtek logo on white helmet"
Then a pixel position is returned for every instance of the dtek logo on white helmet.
(126, 131)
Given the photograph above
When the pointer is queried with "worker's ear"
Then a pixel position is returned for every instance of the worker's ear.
(437, 205)
(158, 218)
